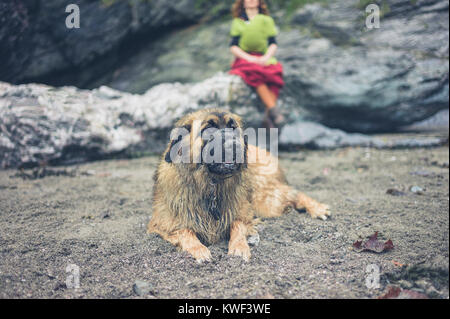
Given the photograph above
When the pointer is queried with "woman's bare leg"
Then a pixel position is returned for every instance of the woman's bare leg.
(266, 95)
(274, 117)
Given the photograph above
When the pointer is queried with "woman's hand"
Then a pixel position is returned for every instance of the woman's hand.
(254, 59)
(260, 60)
(263, 60)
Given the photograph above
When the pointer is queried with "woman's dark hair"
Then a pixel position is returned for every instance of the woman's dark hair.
(238, 8)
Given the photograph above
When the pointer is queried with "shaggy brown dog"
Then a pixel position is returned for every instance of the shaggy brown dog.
(197, 201)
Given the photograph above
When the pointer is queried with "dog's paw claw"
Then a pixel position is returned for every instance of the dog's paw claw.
(321, 211)
(241, 250)
(201, 254)
(202, 261)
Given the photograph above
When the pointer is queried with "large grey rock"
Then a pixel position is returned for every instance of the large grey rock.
(337, 71)
(36, 45)
(313, 135)
(439, 121)
(358, 79)
(317, 136)
(41, 124)
(190, 55)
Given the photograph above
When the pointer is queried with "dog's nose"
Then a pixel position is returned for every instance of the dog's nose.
(228, 164)
(229, 151)
(223, 168)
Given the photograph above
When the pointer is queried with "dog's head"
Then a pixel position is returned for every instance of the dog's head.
(212, 138)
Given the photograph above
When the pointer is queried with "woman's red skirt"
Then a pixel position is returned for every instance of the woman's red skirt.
(254, 74)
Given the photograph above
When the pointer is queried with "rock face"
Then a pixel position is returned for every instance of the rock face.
(37, 45)
(190, 55)
(40, 124)
(370, 80)
(336, 70)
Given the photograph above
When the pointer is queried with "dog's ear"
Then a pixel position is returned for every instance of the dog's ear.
(177, 134)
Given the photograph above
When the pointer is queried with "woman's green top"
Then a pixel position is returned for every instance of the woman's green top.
(253, 34)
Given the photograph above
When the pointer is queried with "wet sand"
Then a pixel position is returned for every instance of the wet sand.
(96, 219)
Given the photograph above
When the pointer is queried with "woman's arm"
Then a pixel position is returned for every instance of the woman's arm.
(269, 53)
(261, 60)
(239, 53)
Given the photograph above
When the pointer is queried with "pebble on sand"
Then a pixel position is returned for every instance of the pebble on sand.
(142, 288)
(417, 190)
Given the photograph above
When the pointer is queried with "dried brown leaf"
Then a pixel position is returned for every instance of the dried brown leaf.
(373, 244)
(394, 292)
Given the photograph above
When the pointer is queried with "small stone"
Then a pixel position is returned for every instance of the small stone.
(268, 295)
(422, 284)
(422, 173)
(253, 240)
(142, 288)
(405, 284)
(106, 214)
(416, 190)
(432, 292)
(395, 192)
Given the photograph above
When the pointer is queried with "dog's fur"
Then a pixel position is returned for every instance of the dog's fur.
(193, 207)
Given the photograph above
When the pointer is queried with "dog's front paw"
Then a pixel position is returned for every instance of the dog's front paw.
(318, 210)
(200, 253)
(241, 249)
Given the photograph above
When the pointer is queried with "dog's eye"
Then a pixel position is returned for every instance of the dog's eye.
(211, 123)
(231, 123)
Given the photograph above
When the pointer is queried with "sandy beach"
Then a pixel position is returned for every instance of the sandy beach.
(94, 215)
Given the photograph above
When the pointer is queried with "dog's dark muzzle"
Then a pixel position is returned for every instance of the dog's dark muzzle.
(226, 153)
(223, 169)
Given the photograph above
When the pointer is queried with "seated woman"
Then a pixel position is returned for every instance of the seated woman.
(254, 45)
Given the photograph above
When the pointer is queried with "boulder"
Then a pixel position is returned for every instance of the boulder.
(365, 80)
(337, 71)
(40, 124)
(37, 46)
